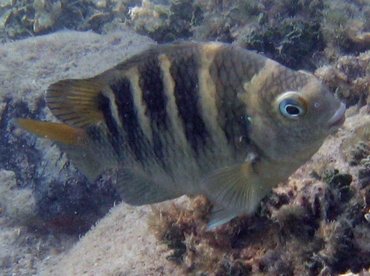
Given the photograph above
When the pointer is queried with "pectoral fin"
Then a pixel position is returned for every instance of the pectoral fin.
(235, 190)
(220, 216)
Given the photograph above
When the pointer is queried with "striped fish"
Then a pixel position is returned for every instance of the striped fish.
(192, 118)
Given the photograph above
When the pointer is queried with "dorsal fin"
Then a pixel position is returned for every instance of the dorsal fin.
(76, 102)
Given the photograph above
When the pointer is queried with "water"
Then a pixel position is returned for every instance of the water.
(316, 222)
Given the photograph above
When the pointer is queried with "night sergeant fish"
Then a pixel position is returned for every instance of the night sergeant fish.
(192, 118)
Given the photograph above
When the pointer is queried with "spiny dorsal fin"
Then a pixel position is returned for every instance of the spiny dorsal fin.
(76, 102)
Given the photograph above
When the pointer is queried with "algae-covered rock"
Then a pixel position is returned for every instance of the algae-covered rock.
(20, 19)
(292, 43)
(164, 23)
(345, 25)
(349, 76)
(301, 34)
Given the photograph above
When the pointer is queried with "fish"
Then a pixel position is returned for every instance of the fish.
(192, 118)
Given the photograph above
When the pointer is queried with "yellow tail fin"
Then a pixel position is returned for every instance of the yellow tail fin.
(57, 132)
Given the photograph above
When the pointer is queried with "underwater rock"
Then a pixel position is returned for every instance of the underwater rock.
(18, 204)
(356, 146)
(148, 17)
(46, 14)
(300, 34)
(63, 200)
(364, 173)
(119, 244)
(26, 18)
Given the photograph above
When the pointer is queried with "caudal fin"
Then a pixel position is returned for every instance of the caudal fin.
(57, 132)
(90, 157)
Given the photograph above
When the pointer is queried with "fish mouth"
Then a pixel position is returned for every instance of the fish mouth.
(338, 118)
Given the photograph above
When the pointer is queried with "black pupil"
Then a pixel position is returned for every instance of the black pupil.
(292, 110)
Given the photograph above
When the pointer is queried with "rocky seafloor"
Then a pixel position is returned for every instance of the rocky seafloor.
(318, 222)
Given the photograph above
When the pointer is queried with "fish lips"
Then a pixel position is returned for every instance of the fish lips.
(338, 118)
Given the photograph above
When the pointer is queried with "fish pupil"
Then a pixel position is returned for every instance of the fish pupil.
(292, 110)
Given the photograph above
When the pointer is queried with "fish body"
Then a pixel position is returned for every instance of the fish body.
(192, 118)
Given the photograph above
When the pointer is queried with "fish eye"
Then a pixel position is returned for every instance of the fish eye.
(291, 106)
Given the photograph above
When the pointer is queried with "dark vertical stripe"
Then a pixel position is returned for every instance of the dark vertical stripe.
(229, 74)
(184, 71)
(135, 138)
(114, 134)
(151, 84)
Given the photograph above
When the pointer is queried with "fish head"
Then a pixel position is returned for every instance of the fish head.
(293, 112)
